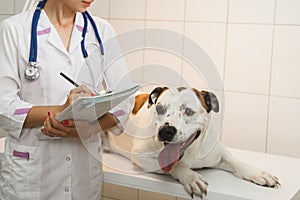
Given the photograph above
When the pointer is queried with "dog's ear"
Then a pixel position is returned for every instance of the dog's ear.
(140, 100)
(208, 100)
(155, 94)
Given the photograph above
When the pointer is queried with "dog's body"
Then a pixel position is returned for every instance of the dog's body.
(165, 133)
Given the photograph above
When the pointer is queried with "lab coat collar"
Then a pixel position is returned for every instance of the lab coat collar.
(54, 38)
(77, 32)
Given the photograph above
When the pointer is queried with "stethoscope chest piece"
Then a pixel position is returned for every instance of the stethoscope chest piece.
(32, 71)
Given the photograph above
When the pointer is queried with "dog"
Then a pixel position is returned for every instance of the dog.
(165, 132)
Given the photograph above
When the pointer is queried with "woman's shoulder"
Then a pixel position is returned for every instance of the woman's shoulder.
(106, 29)
(17, 21)
(103, 23)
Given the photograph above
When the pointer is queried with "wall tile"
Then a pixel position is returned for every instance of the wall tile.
(245, 124)
(287, 12)
(284, 126)
(192, 76)
(163, 56)
(134, 61)
(119, 192)
(145, 195)
(121, 26)
(105, 198)
(100, 8)
(206, 10)
(248, 58)
(129, 9)
(251, 11)
(3, 17)
(168, 25)
(165, 10)
(132, 29)
(211, 37)
(286, 61)
(166, 57)
(7, 7)
(19, 4)
(162, 68)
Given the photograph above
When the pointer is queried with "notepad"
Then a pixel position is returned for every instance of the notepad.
(92, 108)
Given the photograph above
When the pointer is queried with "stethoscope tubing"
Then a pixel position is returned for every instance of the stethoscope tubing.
(96, 32)
(33, 41)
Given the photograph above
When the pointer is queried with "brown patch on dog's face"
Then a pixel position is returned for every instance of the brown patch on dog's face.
(140, 100)
(208, 100)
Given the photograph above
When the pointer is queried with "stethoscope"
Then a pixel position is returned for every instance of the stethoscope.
(32, 70)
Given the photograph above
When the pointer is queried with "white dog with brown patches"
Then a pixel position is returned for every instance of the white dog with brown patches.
(165, 133)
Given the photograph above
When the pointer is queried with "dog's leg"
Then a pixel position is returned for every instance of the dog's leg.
(192, 181)
(105, 143)
(245, 171)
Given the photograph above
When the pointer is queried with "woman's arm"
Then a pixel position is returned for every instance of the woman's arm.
(38, 114)
(45, 115)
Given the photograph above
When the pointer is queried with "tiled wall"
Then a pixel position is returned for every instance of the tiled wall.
(255, 46)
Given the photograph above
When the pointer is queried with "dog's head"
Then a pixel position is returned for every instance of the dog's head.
(181, 115)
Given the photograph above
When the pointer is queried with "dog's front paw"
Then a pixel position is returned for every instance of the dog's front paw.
(266, 179)
(194, 184)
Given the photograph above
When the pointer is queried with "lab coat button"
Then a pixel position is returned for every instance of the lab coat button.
(67, 189)
(69, 63)
(68, 158)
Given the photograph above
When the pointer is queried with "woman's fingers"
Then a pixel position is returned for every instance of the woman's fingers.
(67, 128)
(82, 89)
(50, 130)
(52, 127)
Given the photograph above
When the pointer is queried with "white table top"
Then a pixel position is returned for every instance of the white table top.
(222, 185)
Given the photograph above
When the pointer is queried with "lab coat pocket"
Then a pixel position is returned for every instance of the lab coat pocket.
(21, 170)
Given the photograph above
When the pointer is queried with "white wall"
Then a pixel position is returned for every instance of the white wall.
(255, 45)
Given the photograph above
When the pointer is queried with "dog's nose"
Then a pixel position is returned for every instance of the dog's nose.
(167, 133)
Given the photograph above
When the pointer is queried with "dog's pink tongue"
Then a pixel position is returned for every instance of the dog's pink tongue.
(168, 157)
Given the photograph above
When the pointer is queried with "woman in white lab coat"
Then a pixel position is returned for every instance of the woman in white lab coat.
(35, 168)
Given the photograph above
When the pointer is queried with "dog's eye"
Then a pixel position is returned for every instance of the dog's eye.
(189, 112)
(160, 109)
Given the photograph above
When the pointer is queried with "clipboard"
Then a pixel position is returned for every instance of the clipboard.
(93, 107)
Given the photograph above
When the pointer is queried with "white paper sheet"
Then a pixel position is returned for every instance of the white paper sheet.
(93, 107)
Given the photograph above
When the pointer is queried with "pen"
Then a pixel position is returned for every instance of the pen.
(69, 79)
(73, 82)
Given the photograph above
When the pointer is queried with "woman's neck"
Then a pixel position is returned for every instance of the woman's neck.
(62, 18)
(59, 13)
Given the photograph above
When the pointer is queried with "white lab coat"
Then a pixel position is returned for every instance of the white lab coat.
(34, 169)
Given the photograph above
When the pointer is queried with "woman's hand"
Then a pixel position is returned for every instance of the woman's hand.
(80, 91)
(69, 128)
